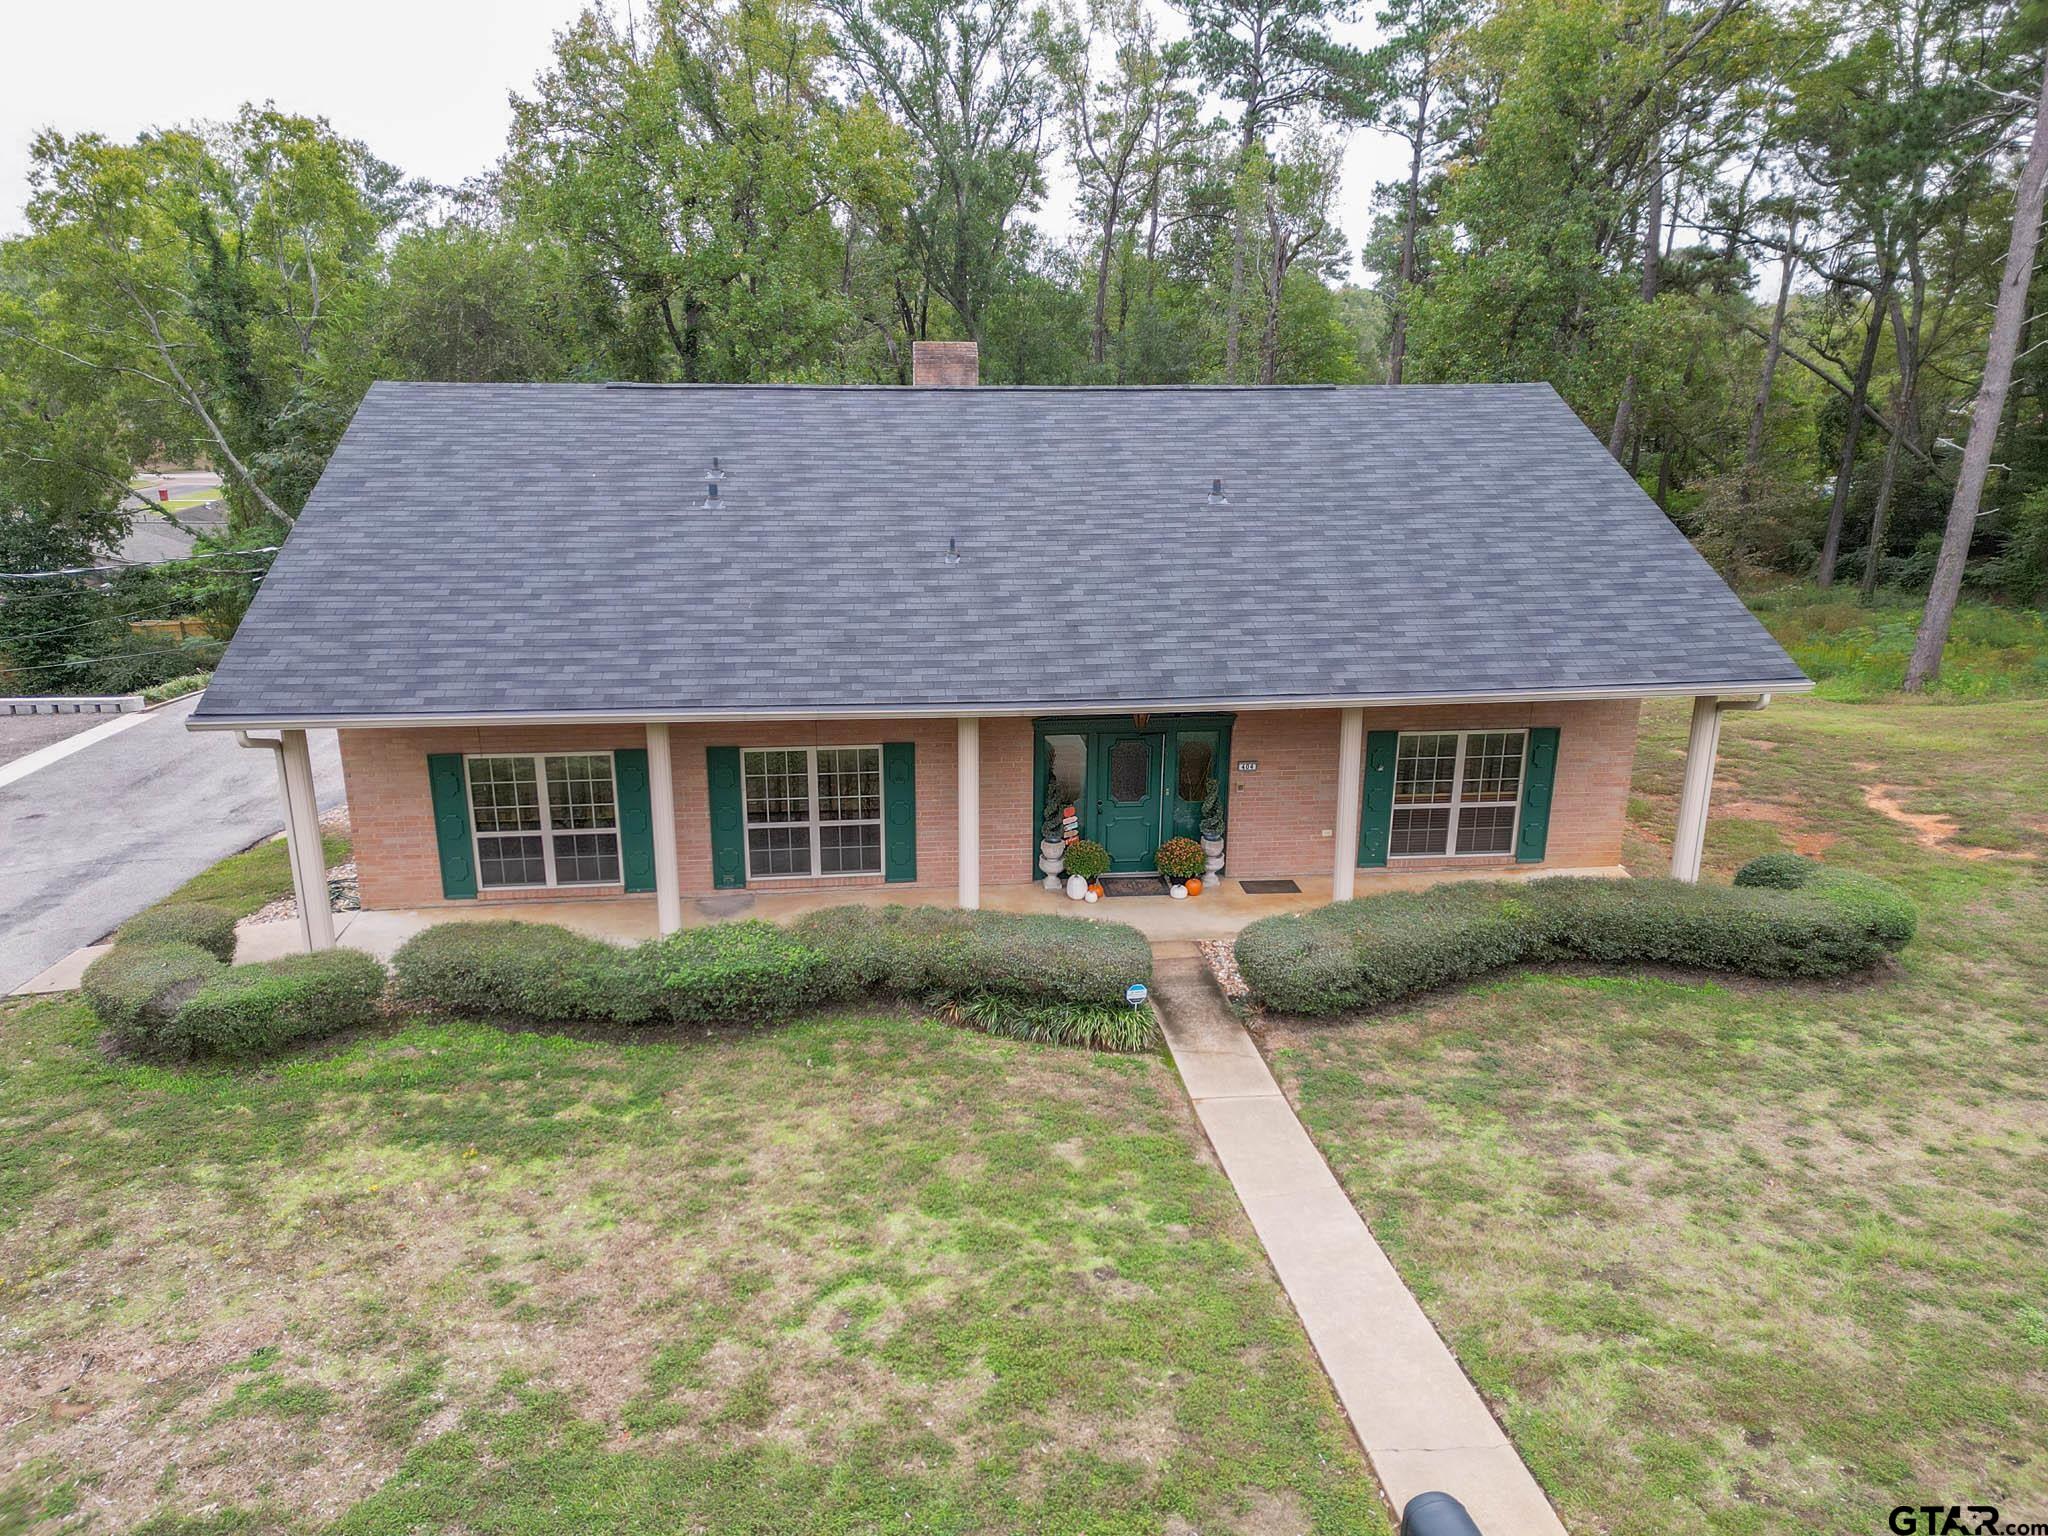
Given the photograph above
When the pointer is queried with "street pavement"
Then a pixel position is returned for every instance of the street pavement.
(91, 840)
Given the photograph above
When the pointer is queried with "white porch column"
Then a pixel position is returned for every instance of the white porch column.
(302, 842)
(969, 797)
(661, 806)
(1701, 749)
(1350, 789)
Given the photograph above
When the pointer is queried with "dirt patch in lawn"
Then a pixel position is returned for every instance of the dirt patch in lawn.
(1930, 829)
(1798, 835)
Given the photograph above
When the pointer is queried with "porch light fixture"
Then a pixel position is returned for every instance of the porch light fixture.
(1216, 496)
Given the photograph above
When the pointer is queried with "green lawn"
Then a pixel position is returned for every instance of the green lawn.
(1732, 1256)
(862, 1274)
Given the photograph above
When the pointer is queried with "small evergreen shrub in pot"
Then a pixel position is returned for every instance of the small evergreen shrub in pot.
(252, 1009)
(201, 923)
(136, 990)
(534, 973)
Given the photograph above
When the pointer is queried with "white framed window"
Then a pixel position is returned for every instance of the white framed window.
(1456, 792)
(544, 819)
(813, 811)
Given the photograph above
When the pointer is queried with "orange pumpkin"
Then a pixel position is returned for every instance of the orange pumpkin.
(1096, 887)
(1194, 887)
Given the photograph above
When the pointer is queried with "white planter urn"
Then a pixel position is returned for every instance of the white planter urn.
(1077, 887)
(1213, 847)
(1051, 858)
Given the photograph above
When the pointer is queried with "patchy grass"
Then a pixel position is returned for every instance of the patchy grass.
(860, 1274)
(1853, 651)
(1733, 1256)
(176, 687)
(249, 881)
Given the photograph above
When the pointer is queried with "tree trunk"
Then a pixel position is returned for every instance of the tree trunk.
(1859, 391)
(1905, 412)
(1099, 340)
(1753, 453)
(1397, 335)
(1241, 237)
(1653, 234)
(1990, 407)
(1269, 343)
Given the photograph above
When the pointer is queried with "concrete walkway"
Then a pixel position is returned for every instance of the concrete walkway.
(1421, 1420)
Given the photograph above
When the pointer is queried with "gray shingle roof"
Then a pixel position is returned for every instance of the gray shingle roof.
(538, 548)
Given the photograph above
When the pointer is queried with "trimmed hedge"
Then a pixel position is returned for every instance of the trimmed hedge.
(533, 973)
(1366, 953)
(753, 972)
(250, 1009)
(742, 973)
(136, 990)
(922, 952)
(210, 927)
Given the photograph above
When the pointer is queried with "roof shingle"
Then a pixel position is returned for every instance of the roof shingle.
(524, 549)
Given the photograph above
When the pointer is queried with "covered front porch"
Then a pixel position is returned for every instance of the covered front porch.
(1220, 912)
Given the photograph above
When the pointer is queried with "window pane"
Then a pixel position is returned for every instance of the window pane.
(778, 787)
(580, 792)
(1066, 770)
(584, 858)
(511, 861)
(852, 849)
(1419, 832)
(1493, 766)
(849, 784)
(1130, 771)
(503, 794)
(779, 850)
(1485, 828)
(1423, 769)
(1191, 776)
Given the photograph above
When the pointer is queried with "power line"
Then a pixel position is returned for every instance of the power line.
(87, 661)
(138, 565)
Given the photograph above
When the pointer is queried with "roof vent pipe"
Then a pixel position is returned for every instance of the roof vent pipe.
(711, 503)
(715, 472)
(953, 550)
(1216, 496)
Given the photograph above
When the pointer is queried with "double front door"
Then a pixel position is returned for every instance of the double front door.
(1133, 783)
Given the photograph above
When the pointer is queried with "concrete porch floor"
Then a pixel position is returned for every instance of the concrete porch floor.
(1218, 913)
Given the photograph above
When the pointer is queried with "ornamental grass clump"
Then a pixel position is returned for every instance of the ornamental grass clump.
(1778, 920)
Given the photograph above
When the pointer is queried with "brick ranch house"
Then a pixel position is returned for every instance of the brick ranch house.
(584, 641)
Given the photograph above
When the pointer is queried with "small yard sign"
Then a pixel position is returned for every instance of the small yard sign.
(1136, 993)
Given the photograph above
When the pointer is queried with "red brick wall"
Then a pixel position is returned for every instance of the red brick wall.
(1281, 816)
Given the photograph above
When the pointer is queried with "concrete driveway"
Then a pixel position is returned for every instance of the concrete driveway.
(92, 839)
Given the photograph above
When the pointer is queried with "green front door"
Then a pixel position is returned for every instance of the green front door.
(1128, 812)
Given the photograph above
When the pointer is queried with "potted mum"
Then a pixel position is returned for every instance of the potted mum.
(1212, 828)
(1180, 859)
(1052, 842)
(1087, 861)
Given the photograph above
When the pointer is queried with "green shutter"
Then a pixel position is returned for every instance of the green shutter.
(728, 817)
(899, 809)
(636, 819)
(1376, 812)
(1536, 779)
(451, 825)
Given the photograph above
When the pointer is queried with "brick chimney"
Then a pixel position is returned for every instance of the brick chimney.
(944, 364)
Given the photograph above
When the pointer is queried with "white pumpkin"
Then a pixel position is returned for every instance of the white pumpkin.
(1077, 888)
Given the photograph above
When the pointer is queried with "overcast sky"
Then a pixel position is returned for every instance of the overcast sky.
(422, 82)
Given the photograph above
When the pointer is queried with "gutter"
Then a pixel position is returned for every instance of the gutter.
(1754, 690)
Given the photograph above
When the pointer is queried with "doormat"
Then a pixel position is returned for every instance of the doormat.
(1133, 885)
(1270, 887)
